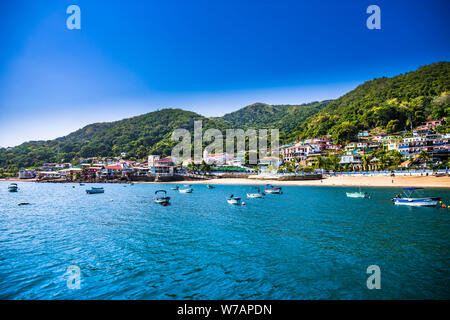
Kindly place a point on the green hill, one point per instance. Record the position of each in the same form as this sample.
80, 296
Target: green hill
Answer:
289, 119
388, 104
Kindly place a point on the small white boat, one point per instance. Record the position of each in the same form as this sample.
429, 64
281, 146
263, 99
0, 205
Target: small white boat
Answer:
13, 187
210, 186
257, 194
358, 194
174, 188
162, 199
94, 190
272, 190
407, 200
187, 190
234, 200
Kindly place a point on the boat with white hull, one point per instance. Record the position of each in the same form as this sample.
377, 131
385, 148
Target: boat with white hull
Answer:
257, 194
234, 200
161, 199
272, 190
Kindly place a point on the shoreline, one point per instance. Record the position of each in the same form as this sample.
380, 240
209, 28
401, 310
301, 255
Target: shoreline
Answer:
344, 181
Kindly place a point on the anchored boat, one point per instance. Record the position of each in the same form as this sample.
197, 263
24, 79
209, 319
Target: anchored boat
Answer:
358, 194
257, 194
186, 190
272, 190
174, 188
13, 187
94, 190
161, 199
234, 200
407, 200
210, 186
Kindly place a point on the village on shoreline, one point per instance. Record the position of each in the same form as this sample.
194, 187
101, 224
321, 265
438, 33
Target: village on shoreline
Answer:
416, 158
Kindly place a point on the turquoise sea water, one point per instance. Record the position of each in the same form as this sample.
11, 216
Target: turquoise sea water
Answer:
308, 243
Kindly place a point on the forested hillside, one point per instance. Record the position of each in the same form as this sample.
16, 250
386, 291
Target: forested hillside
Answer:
387, 104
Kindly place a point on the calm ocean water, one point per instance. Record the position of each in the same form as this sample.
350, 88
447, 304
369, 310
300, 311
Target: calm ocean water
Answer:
308, 243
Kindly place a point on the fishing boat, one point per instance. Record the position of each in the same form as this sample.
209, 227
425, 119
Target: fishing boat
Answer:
94, 190
257, 194
210, 186
13, 187
174, 188
161, 199
407, 200
186, 190
272, 190
358, 194
234, 200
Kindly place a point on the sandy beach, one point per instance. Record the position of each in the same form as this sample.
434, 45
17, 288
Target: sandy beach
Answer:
404, 181
399, 181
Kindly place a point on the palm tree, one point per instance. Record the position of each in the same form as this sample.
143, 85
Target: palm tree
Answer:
424, 157
320, 163
397, 157
366, 161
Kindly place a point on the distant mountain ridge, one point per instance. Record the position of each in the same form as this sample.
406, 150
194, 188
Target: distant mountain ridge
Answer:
387, 104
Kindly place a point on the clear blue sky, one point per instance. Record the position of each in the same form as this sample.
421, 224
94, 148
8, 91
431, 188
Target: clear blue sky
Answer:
208, 56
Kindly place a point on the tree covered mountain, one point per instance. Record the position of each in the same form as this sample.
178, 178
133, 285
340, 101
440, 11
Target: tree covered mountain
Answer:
287, 118
386, 104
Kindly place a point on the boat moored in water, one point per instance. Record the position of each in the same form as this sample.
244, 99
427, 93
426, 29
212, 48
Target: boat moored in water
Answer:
94, 190
234, 200
257, 194
161, 199
186, 190
272, 190
407, 200
210, 186
174, 188
358, 194
13, 187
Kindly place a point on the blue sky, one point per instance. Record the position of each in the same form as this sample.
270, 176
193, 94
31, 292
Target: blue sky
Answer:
211, 57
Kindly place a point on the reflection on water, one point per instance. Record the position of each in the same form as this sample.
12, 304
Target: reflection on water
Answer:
308, 243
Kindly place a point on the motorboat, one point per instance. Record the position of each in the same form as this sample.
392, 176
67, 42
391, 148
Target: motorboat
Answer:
13, 187
161, 197
272, 190
407, 200
186, 190
358, 194
234, 200
174, 188
94, 190
257, 194
210, 186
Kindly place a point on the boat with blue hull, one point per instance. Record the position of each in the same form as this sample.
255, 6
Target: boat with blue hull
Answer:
94, 190
407, 200
13, 187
